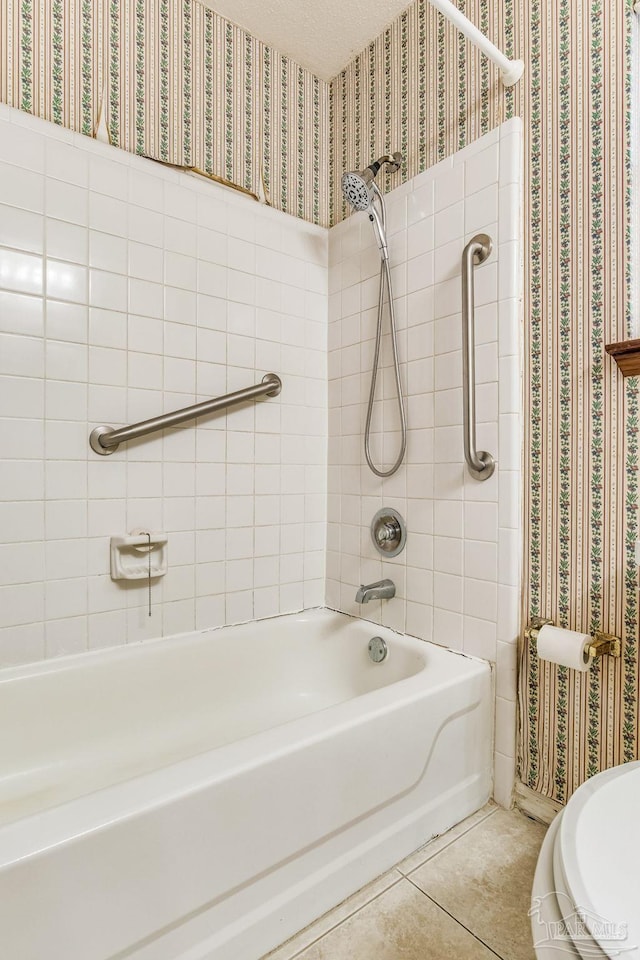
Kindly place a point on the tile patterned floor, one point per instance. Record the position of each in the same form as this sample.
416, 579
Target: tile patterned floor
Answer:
465, 895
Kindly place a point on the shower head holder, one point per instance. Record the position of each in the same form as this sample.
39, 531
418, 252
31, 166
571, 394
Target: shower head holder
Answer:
357, 185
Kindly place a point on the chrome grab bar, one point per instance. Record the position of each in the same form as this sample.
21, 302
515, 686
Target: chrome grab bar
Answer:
480, 463
105, 440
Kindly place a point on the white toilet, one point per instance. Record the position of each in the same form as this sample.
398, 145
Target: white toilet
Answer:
586, 890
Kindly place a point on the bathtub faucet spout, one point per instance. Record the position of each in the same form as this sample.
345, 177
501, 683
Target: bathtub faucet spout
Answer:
382, 590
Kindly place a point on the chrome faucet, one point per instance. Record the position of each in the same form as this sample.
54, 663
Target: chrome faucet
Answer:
382, 590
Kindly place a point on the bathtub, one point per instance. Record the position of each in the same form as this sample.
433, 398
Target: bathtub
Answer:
204, 797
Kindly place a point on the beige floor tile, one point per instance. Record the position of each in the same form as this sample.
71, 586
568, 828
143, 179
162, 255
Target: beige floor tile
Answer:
439, 843
334, 917
400, 924
484, 881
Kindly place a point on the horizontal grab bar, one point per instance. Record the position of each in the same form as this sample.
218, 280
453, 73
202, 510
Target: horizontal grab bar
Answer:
105, 440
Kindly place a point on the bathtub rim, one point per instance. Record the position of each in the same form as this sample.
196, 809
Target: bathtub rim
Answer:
119, 651
34, 834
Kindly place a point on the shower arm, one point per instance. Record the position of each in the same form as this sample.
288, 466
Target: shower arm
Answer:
512, 70
393, 161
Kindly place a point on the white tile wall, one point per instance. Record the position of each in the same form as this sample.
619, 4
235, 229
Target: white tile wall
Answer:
458, 581
126, 290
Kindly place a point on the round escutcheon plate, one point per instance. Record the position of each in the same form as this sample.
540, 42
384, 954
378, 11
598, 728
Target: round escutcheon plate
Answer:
388, 532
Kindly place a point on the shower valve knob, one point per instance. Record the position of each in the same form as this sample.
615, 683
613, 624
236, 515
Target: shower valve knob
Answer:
388, 532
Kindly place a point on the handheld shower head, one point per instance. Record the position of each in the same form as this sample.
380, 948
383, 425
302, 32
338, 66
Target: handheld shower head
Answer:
357, 187
360, 188
361, 192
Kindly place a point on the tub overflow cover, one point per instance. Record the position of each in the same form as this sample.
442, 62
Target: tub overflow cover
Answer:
378, 649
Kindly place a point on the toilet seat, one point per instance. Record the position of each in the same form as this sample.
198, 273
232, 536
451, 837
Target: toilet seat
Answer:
588, 873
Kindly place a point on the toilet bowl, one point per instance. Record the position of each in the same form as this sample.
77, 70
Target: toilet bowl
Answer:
585, 901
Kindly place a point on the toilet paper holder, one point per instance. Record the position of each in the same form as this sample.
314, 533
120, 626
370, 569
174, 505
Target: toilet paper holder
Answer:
602, 644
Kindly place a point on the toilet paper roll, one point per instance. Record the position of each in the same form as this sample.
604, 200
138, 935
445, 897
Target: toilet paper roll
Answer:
566, 647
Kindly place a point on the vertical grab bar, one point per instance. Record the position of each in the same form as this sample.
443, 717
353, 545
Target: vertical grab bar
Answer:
480, 463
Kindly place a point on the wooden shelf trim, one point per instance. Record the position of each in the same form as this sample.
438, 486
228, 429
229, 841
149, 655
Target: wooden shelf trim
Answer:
627, 355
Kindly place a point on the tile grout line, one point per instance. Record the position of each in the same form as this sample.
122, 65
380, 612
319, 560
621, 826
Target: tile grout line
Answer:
402, 876
455, 919
453, 840
344, 919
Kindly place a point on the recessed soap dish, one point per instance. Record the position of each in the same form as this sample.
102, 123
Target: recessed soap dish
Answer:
140, 555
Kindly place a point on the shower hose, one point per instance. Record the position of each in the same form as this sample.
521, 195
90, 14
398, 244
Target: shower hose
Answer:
385, 281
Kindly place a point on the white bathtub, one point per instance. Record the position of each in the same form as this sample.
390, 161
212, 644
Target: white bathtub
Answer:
206, 796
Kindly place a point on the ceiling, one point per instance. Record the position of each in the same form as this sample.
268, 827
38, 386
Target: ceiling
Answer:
321, 35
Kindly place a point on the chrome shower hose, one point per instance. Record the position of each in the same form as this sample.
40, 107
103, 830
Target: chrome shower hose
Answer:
385, 279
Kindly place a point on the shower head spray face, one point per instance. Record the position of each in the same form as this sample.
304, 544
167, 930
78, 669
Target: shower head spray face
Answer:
357, 189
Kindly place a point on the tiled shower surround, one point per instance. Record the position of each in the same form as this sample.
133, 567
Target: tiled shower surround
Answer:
458, 581
127, 290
